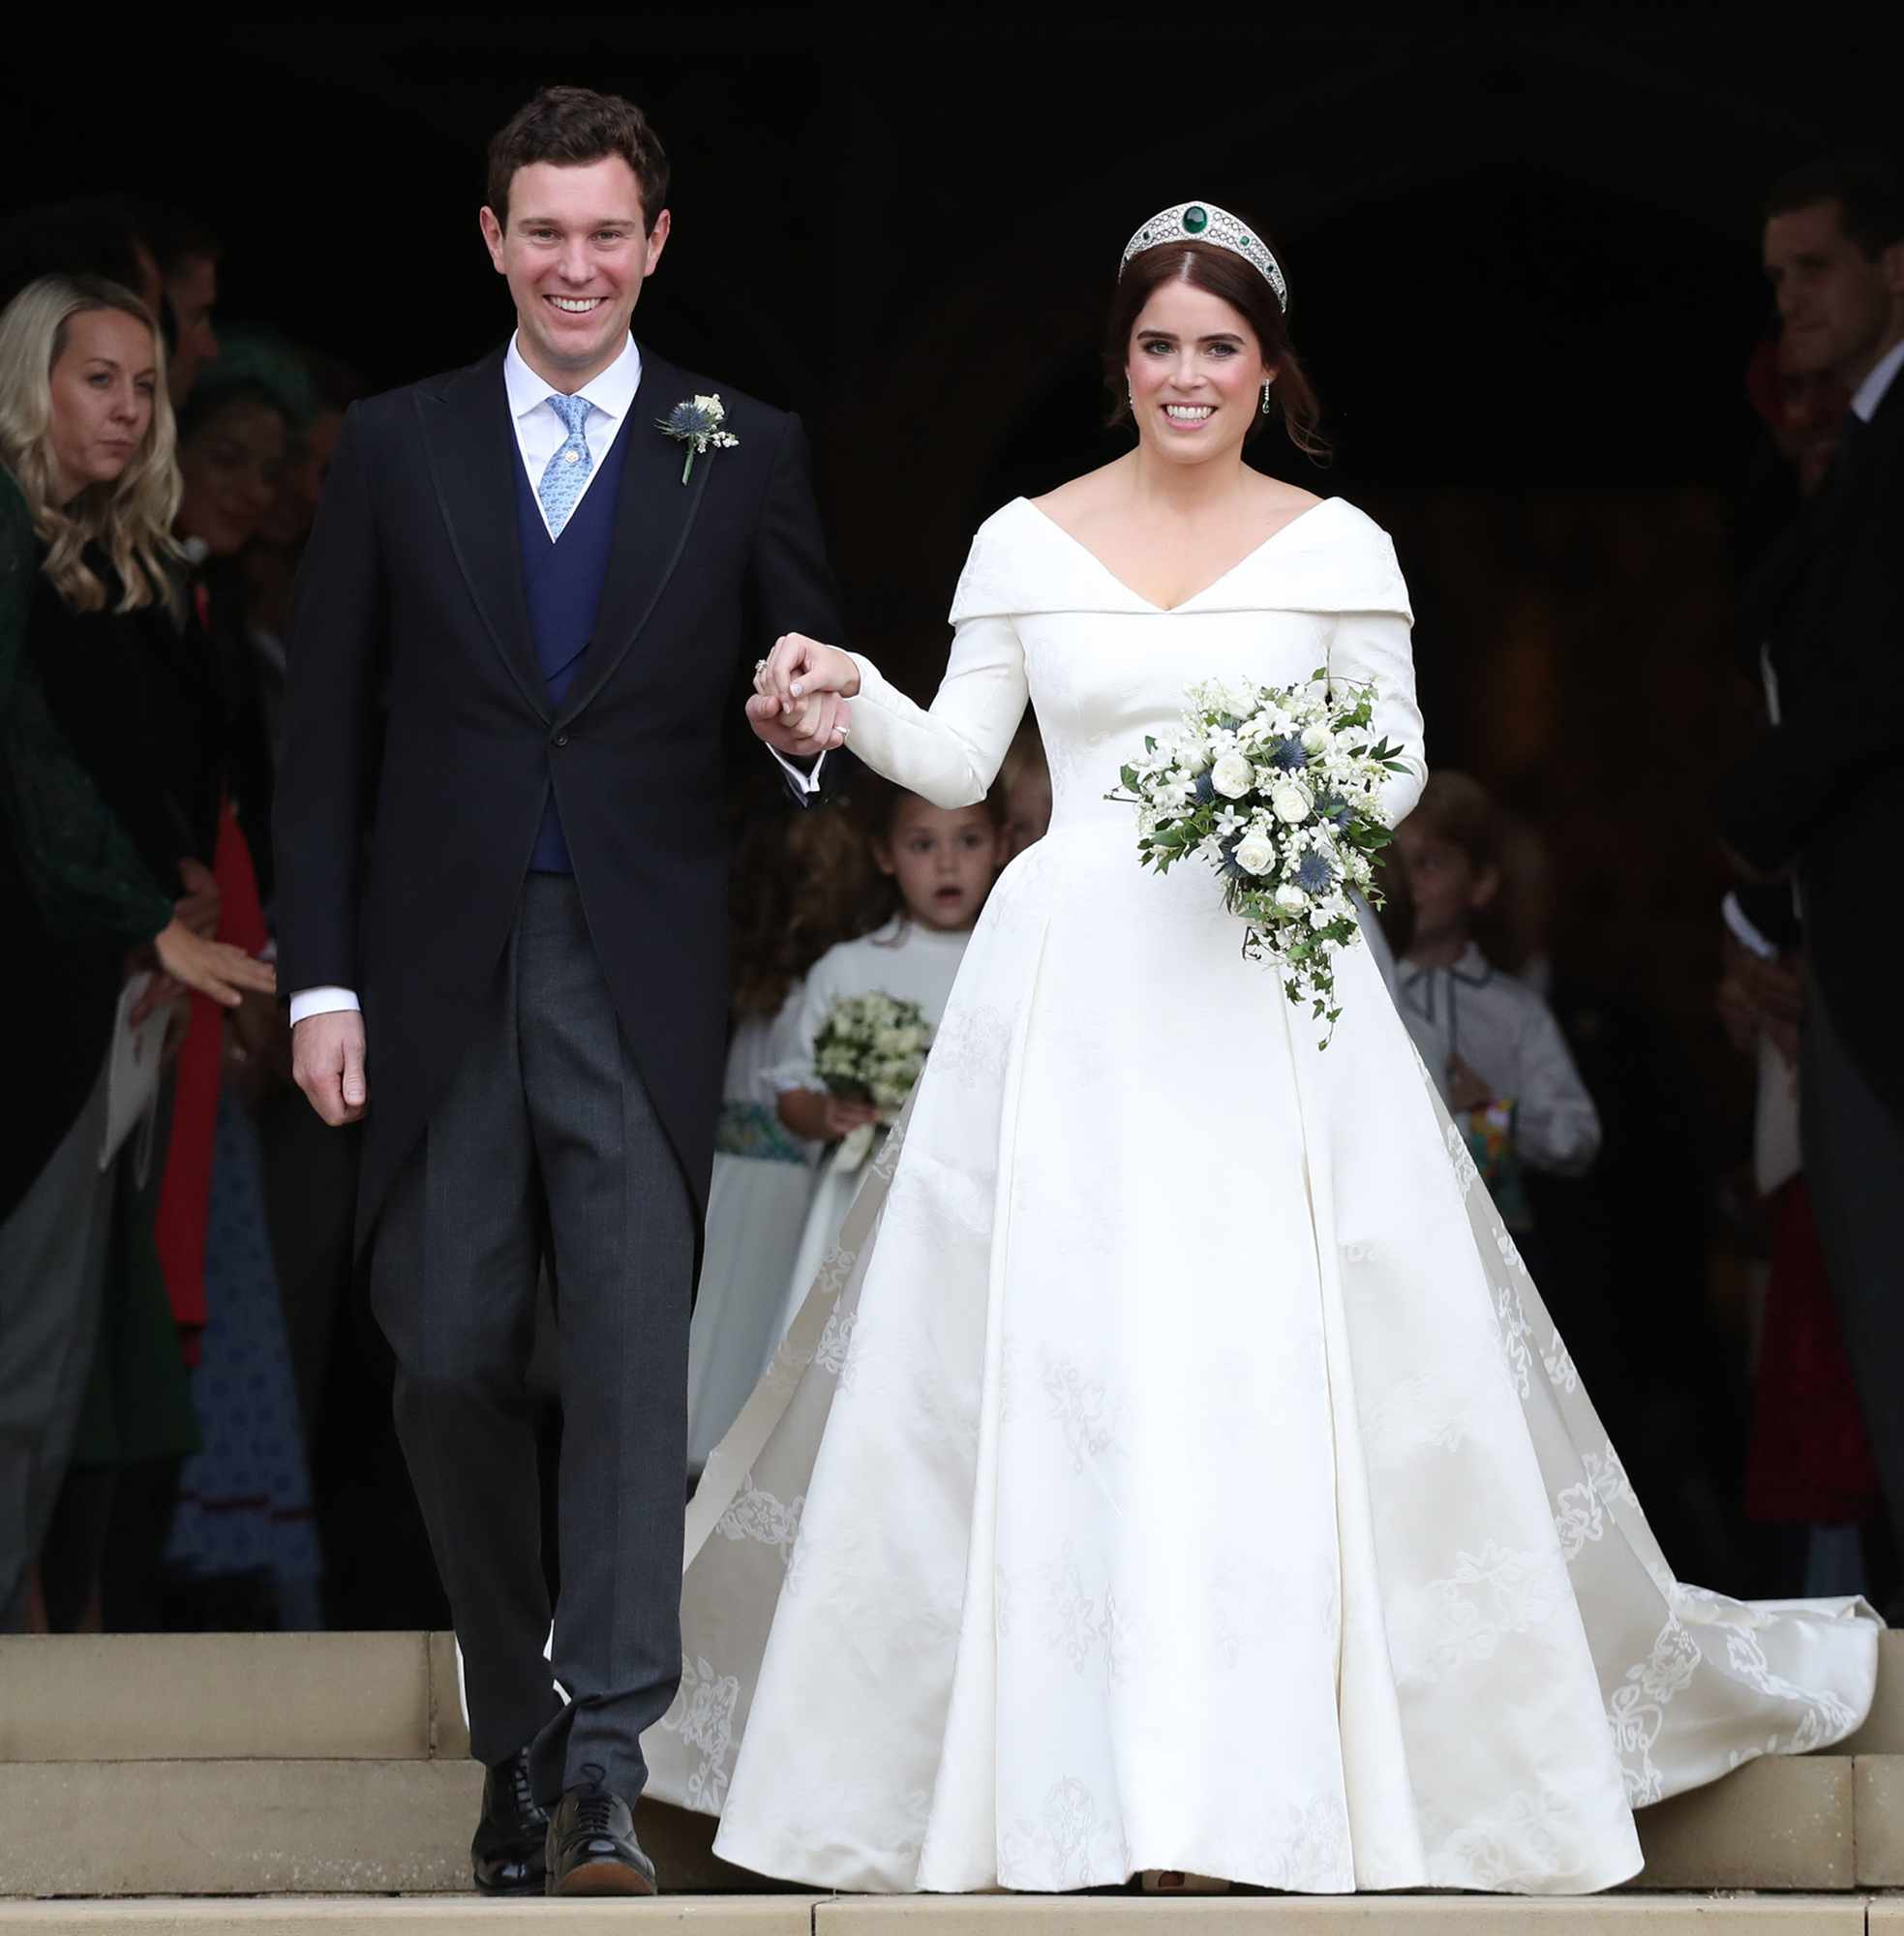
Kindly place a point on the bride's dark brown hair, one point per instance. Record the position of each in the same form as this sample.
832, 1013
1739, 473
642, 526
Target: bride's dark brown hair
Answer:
1218, 272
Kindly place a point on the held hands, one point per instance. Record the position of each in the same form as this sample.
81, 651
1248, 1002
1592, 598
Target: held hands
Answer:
800, 691
328, 1063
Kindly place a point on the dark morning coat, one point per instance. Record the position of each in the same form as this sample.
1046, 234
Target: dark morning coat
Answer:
1825, 788
420, 742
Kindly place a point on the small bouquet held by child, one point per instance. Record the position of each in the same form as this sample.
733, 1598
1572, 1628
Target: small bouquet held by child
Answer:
871, 1049
1279, 789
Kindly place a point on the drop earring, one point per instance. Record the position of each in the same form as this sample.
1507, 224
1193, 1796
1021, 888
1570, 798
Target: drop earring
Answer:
1266, 390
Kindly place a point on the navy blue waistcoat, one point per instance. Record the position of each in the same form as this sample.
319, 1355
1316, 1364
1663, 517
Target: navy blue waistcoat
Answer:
563, 583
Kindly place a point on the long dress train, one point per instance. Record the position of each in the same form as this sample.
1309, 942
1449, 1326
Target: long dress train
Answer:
1174, 1465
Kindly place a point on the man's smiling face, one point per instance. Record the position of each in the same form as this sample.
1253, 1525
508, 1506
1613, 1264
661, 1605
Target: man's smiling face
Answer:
576, 249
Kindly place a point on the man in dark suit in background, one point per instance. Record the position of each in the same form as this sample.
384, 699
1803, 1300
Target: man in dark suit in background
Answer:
1822, 797
558, 607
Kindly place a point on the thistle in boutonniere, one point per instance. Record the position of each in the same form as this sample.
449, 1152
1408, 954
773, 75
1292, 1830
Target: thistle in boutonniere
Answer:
697, 423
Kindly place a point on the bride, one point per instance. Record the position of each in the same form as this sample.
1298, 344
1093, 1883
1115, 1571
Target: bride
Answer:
1173, 1466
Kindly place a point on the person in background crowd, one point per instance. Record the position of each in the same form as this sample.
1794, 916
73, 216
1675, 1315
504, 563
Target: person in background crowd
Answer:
243, 1549
1822, 789
102, 867
1488, 1040
803, 883
188, 255
1025, 782
269, 562
1810, 1469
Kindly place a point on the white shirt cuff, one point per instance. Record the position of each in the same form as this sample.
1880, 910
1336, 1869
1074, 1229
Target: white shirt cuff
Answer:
1745, 931
807, 782
308, 1002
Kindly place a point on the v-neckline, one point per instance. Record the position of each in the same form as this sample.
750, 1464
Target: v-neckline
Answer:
1222, 577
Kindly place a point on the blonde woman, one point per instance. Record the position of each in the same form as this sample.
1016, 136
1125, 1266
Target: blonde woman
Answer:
100, 863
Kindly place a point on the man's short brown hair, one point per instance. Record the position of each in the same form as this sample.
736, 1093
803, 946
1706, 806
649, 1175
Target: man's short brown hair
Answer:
572, 127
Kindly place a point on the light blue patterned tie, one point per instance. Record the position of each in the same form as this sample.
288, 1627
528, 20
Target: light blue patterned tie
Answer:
568, 469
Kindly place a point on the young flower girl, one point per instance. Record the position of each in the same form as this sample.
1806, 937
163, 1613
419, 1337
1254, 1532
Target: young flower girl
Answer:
801, 883
940, 863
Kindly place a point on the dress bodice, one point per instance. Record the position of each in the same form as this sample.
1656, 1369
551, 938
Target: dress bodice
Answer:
1039, 617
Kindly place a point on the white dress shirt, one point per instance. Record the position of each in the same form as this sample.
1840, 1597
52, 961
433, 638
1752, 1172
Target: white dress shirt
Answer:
539, 434
1871, 392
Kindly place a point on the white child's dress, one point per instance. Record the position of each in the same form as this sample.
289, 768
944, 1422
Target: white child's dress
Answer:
763, 1181
906, 960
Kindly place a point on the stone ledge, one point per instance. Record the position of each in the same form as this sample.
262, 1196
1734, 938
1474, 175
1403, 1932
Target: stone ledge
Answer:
1883, 1732
1777, 1824
266, 1827
181, 1697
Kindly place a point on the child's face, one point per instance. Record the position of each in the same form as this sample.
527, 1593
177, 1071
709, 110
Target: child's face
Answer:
943, 859
1447, 887
1027, 813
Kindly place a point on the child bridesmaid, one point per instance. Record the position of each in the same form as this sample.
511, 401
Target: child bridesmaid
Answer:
801, 882
939, 864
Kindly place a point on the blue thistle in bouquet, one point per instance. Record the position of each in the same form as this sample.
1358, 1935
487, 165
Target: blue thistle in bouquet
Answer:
1279, 790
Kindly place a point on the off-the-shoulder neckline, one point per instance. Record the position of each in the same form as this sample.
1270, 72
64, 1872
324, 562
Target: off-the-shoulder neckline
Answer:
1222, 578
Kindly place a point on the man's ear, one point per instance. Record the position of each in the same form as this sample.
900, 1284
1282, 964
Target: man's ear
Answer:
491, 237
657, 240
1487, 885
1892, 262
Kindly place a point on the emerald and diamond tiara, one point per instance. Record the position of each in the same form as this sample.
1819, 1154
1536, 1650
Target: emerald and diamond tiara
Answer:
1205, 222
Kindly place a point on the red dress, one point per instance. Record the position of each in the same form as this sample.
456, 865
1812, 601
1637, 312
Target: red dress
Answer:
185, 1196
1810, 1459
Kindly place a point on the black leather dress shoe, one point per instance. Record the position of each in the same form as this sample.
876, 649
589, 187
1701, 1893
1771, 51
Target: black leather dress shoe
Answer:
592, 1849
511, 1843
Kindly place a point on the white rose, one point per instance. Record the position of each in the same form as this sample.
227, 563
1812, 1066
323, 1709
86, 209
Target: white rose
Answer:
1232, 775
1288, 802
1316, 738
1255, 852
1291, 899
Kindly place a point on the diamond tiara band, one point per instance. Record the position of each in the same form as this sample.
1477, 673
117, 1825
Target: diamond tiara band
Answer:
1205, 222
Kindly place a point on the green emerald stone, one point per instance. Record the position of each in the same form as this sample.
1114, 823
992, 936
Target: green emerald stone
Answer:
1195, 221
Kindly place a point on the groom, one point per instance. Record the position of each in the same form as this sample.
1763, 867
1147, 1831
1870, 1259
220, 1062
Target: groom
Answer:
521, 635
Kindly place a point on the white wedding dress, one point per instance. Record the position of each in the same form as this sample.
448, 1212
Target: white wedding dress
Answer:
1174, 1465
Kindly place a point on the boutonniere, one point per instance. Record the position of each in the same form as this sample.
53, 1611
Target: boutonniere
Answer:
697, 423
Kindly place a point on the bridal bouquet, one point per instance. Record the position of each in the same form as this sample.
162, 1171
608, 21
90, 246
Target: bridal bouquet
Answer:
871, 1049
1277, 789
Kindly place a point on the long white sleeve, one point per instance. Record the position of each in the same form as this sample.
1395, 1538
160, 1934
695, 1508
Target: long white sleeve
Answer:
1374, 647
952, 753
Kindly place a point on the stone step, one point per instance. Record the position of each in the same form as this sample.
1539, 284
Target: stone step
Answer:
187, 1697
981, 1916
261, 1827
256, 1828
363, 1696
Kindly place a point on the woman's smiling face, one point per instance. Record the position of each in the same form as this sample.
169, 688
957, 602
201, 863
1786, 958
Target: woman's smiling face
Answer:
1196, 374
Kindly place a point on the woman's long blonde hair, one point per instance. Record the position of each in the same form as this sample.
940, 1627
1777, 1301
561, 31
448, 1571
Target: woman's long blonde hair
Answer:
130, 520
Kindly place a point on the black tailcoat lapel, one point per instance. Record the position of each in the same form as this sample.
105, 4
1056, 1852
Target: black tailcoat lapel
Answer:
473, 454
653, 521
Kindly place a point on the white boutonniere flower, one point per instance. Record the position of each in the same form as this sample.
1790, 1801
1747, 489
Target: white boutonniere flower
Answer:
696, 421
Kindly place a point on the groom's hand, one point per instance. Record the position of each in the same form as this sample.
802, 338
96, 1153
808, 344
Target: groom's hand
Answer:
328, 1063
818, 727
800, 691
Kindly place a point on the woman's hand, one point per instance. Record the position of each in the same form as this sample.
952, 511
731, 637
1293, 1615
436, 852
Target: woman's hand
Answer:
800, 691
820, 1117
213, 968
